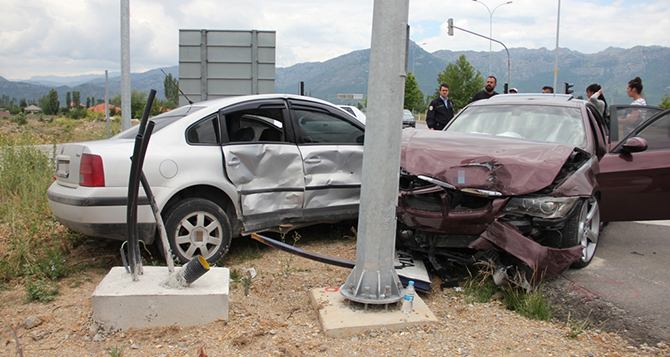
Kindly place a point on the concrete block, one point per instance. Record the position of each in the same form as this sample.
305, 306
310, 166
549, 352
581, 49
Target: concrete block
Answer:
119, 302
341, 318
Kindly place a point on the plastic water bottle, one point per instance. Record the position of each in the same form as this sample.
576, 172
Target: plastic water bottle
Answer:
408, 301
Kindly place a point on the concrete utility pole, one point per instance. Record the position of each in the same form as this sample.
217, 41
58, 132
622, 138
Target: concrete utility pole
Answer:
374, 279
126, 111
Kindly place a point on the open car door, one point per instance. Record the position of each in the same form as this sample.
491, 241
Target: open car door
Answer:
635, 175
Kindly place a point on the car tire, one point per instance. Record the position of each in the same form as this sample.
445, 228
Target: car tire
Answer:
197, 226
584, 229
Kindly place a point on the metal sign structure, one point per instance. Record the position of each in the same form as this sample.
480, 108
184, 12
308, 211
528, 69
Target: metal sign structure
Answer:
224, 63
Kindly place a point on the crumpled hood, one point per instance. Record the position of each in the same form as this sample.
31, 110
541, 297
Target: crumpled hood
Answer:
506, 165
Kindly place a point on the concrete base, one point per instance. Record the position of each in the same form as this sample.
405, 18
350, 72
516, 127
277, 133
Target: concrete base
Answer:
121, 303
341, 318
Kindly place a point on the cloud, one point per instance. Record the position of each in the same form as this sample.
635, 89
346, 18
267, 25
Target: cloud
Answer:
42, 37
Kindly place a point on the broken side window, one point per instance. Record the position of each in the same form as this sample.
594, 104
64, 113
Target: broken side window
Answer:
254, 125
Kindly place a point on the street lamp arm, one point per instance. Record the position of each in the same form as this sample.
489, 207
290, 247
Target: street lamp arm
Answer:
494, 40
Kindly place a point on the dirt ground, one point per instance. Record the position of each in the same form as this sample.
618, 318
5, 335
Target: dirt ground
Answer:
276, 319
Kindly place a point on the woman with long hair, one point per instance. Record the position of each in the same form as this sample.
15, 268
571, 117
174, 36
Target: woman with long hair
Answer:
595, 94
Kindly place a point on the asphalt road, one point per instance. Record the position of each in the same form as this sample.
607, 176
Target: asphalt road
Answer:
627, 285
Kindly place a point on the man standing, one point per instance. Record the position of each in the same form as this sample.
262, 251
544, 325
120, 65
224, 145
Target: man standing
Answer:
488, 92
440, 110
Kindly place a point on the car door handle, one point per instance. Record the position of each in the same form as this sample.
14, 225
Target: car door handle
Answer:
314, 160
235, 161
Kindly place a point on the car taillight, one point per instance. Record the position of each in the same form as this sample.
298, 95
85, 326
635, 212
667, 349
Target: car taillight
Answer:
91, 172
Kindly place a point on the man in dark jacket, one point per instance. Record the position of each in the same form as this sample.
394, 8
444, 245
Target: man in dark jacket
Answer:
488, 91
440, 110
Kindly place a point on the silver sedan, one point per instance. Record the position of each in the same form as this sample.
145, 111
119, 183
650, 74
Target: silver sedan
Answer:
218, 169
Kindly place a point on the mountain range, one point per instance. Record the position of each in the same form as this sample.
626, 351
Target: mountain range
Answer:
530, 70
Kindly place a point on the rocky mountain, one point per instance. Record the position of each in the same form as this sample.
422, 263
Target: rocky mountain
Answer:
95, 87
530, 70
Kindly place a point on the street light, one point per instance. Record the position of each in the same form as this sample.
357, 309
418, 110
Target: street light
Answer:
413, 59
491, 25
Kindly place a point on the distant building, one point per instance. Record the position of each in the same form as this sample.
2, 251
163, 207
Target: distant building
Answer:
100, 108
4, 113
32, 109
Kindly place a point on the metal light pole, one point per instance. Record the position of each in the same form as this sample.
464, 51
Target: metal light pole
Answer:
491, 25
558, 26
413, 60
126, 112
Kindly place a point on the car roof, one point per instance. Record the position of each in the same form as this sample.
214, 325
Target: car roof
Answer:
221, 102
528, 98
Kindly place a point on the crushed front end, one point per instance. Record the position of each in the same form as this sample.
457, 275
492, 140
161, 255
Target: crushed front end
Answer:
464, 211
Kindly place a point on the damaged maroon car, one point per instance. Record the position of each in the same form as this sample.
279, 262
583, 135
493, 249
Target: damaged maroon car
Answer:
514, 180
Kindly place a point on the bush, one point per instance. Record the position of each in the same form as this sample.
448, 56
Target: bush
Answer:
20, 119
40, 290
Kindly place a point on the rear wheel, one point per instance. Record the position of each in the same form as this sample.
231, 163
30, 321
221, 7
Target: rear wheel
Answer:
198, 226
584, 229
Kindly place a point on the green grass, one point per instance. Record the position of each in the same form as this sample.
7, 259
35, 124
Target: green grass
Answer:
480, 287
33, 243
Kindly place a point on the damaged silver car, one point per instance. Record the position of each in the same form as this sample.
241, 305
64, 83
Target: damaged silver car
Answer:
511, 180
218, 169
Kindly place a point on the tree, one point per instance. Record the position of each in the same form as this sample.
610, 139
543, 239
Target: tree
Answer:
88, 102
68, 99
171, 87
413, 95
665, 101
23, 104
50, 103
76, 99
463, 80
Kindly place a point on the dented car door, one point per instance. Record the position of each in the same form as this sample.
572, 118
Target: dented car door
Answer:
264, 164
331, 146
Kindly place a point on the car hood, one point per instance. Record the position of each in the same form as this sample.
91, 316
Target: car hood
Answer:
472, 161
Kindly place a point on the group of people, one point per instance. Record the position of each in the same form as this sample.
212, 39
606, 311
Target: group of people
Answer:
441, 109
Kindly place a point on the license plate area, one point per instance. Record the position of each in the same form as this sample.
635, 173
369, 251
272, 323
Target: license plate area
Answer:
62, 167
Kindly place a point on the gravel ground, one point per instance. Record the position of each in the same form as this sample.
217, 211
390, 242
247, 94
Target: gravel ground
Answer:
276, 319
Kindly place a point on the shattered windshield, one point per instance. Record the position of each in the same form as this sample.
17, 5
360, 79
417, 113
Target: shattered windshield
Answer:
554, 124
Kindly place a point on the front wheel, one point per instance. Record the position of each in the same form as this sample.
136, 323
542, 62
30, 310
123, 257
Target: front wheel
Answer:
198, 226
584, 229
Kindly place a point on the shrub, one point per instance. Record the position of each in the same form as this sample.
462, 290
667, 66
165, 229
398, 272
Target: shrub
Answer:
40, 290
20, 119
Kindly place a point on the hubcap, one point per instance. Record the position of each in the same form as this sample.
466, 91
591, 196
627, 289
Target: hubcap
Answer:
199, 233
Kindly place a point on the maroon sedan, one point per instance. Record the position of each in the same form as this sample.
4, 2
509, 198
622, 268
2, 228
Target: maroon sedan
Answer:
525, 181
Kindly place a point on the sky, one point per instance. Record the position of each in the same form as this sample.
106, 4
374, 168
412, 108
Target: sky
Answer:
74, 37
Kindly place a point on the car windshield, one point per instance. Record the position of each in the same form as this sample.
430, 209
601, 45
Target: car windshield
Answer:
563, 125
161, 121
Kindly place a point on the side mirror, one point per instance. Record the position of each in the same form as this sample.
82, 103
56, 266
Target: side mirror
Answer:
634, 144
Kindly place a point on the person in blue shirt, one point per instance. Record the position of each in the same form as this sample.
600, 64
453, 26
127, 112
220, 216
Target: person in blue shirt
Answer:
440, 110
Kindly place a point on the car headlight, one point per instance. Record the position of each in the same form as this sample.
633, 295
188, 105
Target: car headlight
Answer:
545, 207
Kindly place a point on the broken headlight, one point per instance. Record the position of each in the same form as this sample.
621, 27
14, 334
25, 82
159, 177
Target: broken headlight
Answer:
544, 207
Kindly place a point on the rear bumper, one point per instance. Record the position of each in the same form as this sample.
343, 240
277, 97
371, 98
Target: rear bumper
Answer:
99, 213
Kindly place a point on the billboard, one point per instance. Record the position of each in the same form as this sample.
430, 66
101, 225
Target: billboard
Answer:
223, 63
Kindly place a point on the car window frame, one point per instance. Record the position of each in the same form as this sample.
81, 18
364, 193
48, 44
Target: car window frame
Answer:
648, 122
614, 119
256, 104
296, 104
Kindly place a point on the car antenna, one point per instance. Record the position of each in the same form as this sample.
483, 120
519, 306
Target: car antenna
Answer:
180, 91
